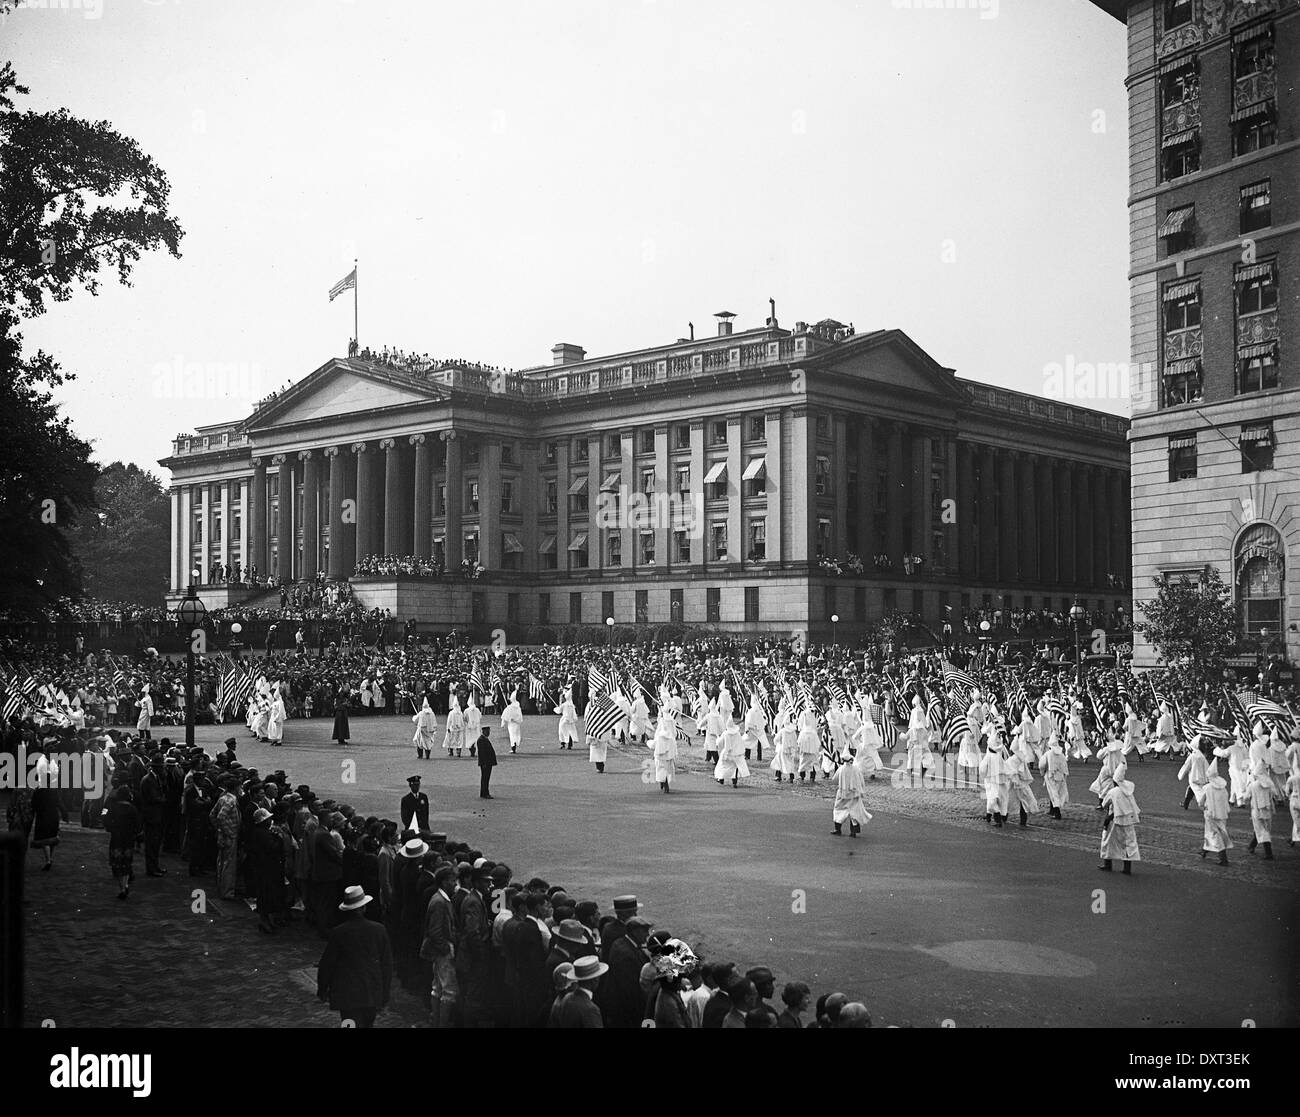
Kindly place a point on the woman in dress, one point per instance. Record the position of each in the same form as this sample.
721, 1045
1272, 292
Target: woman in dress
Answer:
123, 825
341, 729
47, 812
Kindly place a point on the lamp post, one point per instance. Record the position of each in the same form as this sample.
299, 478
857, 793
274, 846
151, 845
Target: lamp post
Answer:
1077, 613
235, 645
609, 626
191, 612
985, 628
835, 628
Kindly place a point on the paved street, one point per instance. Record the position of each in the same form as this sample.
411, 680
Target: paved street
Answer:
929, 916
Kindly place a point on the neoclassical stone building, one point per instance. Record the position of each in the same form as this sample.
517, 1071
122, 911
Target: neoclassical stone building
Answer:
727, 480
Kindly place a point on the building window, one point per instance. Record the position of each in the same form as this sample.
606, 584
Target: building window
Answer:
751, 603
889, 600
441, 499
718, 540
575, 608
682, 546
648, 441
647, 481
713, 605
512, 608
552, 451
614, 549
823, 426
578, 551
1182, 457
757, 540
1260, 569
757, 428
1256, 288
612, 446
718, 432
682, 436
642, 606
606, 605
471, 453
471, 546
507, 496
552, 497
1255, 132
543, 608
507, 453
1183, 306
478, 608
1176, 229
676, 605
823, 476
1257, 368
547, 549
1180, 154
683, 474
823, 537
1256, 447
580, 450
755, 477
647, 548
578, 498
511, 549
1256, 206
473, 497
1177, 13
859, 603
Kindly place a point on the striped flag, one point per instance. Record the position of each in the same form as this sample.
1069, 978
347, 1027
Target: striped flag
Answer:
1121, 688
958, 681
476, 680
1271, 714
348, 282
954, 729
837, 692
934, 713
601, 716
536, 691
597, 683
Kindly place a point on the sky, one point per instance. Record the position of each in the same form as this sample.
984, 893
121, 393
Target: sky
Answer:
515, 173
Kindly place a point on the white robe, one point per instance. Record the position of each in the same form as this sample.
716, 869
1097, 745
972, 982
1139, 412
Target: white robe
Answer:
665, 752
512, 721
1056, 771
426, 728
570, 727
455, 736
731, 756
275, 719
850, 796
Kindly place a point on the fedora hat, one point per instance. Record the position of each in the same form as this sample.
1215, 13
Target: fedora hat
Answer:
354, 896
415, 849
260, 815
570, 930
589, 967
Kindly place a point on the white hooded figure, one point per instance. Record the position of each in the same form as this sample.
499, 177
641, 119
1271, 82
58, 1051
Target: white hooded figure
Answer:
597, 750
1078, 735
1164, 730
1030, 737
454, 739
1214, 809
1197, 773
639, 724
1238, 758
867, 740
810, 744
850, 798
145, 719
1293, 801
714, 725
262, 716
625, 708
665, 752
276, 717
1134, 732
473, 719
756, 725
725, 704
1111, 755
1021, 794
570, 728
1119, 838
996, 778
1278, 764
731, 756
426, 730
512, 721
1056, 773
785, 757
919, 755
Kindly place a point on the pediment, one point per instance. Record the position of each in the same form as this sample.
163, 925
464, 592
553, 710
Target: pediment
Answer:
892, 358
340, 389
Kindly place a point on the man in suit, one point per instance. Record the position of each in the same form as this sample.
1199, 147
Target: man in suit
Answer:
326, 872
415, 805
487, 760
439, 950
620, 998
578, 1009
473, 954
153, 801
625, 907
355, 973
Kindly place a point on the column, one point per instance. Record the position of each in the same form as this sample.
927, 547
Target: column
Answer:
699, 528
453, 528
967, 558
489, 503
1101, 527
1009, 566
310, 513
255, 517
226, 506
951, 531
563, 479
628, 483
735, 492
919, 544
897, 491
988, 553
243, 526
662, 503
1083, 524
423, 496
531, 495
392, 495
187, 528
338, 567
774, 487
803, 497
1065, 503
176, 566
1049, 570
1027, 467
205, 542
595, 478
866, 488
283, 518
1119, 514
365, 458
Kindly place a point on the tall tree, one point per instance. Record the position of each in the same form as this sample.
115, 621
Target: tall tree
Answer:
123, 547
75, 197
1191, 622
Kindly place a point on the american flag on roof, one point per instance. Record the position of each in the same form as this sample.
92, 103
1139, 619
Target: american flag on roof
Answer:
348, 282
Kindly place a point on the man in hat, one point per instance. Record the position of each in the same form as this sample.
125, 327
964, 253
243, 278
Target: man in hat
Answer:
153, 801
569, 942
355, 974
415, 805
226, 822
439, 950
228, 757
487, 760
620, 999
474, 951
625, 907
579, 1009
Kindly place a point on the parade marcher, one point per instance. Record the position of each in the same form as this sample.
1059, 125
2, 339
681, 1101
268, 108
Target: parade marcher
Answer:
1078, 736
1119, 830
145, 718
426, 726
1293, 800
570, 727
996, 778
665, 753
866, 739
1165, 738
473, 723
1134, 733
1214, 806
454, 738
598, 749
512, 721
715, 724
731, 757
1056, 771
919, 756
785, 757
415, 806
1260, 788
1196, 770
639, 725
968, 749
756, 726
850, 798
1112, 756
810, 744
1022, 789
276, 717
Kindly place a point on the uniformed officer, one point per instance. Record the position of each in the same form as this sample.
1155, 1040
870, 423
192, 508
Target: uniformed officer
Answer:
415, 804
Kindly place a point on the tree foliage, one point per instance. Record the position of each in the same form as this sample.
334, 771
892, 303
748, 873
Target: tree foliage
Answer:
1191, 622
124, 547
75, 197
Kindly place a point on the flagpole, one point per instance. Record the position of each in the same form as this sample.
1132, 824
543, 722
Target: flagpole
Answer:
356, 333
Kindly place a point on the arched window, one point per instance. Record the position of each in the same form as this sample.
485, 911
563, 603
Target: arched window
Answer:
1260, 566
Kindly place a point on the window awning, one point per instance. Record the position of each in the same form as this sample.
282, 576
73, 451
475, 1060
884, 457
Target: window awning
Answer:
1255, 189
1186, 367
1181, 139
579, 486
756, 469
716, 473
1175, 221
1182, 442
611, 483
1250, 112
1257, 434
578, 542
1186, 62
1259, 31
547, 545
648, 534
1182, 290
510, 543
1254, 271
1263, 349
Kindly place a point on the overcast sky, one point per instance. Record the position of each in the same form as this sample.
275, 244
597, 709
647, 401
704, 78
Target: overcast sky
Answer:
513, 174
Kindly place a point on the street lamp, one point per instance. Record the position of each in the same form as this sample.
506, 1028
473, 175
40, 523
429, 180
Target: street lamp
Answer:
835, 628
235, 645
191, 612
1077, 613
985, 629
609, 625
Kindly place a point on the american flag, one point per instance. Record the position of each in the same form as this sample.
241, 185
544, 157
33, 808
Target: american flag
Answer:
601, 716
348, 282
536, 691
934, 713
837, 692
954, 729
14, 702
598, 683
1121, 688
960, 682
1238, 713
1270, 713
476, 680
